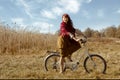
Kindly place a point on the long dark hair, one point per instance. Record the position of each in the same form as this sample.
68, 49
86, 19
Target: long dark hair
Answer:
70, 23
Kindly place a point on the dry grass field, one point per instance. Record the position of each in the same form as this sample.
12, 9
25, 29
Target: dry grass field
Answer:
22, 56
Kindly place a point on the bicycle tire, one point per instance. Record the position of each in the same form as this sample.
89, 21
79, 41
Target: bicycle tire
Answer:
95, 58
50, 60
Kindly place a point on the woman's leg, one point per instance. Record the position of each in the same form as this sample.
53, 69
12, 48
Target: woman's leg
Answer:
69, 58
62, 64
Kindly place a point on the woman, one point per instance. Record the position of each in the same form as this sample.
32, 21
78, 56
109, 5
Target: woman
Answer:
67, 42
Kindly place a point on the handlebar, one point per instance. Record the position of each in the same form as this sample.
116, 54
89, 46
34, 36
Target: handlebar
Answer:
83, 40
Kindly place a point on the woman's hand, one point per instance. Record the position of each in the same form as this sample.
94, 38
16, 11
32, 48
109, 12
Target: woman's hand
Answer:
77, 40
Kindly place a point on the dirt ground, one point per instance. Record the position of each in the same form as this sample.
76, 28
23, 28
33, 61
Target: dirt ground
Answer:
31, 66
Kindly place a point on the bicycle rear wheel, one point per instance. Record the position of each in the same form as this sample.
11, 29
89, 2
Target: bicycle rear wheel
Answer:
95, 63
52, 62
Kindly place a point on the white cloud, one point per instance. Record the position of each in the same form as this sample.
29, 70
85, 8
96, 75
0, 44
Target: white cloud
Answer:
42, 27
48, 14
50, 10
57, 10
72, 6
62, 6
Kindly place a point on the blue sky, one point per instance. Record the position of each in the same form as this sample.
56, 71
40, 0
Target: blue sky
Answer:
45, 15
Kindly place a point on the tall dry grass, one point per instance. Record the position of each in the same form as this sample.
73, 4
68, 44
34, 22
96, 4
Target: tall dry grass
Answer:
17, 42
24, 66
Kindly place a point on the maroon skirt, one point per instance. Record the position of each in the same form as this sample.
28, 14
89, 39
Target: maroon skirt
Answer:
67, 46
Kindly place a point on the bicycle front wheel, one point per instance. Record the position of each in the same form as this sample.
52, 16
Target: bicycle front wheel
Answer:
95, 63
52, 62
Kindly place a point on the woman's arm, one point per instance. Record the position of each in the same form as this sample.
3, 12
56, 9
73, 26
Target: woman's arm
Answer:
73, 37
77, 32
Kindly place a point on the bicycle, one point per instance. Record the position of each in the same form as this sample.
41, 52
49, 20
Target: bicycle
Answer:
92, 63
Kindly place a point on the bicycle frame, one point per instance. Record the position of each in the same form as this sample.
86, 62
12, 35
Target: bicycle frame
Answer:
73, 65
86, 51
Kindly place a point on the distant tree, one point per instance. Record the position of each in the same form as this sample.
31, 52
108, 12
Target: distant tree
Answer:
102, 33
88, 32
110, 31
96, 34
118, 32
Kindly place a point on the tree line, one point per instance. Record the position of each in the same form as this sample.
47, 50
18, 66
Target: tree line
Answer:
111, 32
